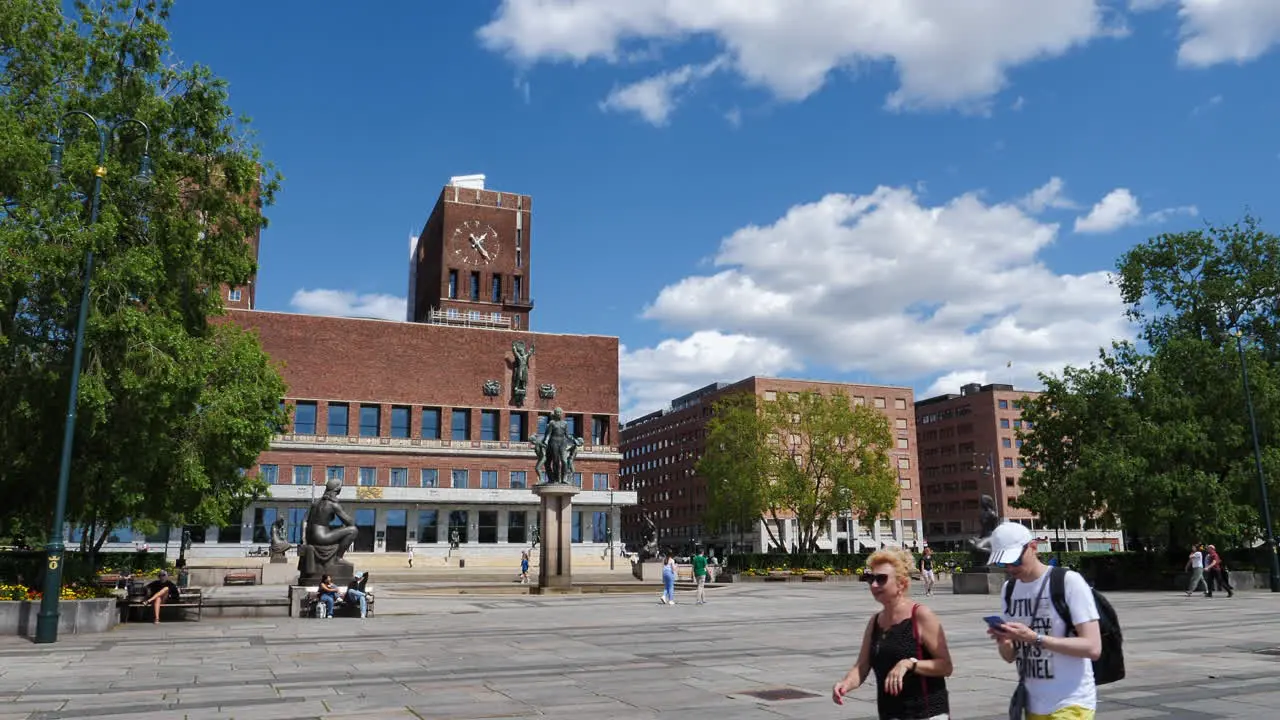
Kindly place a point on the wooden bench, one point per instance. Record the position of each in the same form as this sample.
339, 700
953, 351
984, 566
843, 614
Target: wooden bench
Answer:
188, 599
240, 578
307, 605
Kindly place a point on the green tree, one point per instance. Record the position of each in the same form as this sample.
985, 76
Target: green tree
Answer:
734, 459
809, 457
1077, 445
1157, 435
175, 403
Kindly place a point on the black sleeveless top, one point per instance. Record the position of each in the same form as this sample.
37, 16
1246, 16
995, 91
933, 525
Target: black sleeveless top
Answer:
917, 700
926, 562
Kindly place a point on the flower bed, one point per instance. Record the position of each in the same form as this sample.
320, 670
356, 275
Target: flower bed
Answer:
22, 593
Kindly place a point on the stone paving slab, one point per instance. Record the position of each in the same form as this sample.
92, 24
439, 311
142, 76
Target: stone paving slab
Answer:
613, 656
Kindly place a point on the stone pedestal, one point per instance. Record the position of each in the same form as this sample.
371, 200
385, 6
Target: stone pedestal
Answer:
555, 525
977, 582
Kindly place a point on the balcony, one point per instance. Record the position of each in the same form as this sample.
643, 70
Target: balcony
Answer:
469, 318
517, 302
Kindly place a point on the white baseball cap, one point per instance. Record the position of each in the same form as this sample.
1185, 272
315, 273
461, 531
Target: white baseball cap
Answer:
1007, 543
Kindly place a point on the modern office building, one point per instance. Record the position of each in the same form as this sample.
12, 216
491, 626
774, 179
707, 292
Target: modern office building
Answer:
421, 419
968, 446
660, 451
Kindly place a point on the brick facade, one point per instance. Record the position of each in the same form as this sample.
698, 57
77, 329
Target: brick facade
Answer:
411, 379
661, 450
969, 447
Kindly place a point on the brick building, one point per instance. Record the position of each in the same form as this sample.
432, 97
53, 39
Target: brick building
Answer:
419, 418
968, 447
660, 451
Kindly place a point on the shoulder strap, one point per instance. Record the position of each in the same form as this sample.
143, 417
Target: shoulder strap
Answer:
1058, 594
915, 632
1008, 597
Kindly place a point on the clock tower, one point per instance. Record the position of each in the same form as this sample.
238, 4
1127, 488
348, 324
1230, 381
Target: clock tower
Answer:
470, 264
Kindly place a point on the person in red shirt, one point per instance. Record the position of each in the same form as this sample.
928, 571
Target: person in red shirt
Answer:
1216, 573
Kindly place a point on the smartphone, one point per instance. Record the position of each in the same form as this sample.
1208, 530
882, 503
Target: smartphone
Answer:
994, 621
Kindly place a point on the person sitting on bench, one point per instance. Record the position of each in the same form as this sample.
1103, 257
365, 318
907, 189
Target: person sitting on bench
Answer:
159, 591
356, 594
328, 594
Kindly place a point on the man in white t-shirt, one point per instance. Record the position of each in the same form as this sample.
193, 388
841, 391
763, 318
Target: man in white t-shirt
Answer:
1195, 563
1057, 668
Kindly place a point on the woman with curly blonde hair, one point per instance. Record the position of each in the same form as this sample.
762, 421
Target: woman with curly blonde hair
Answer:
904, 644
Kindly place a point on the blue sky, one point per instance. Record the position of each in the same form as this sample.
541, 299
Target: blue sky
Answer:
911, 193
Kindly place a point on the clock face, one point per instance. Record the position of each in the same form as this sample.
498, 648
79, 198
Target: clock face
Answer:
475, 243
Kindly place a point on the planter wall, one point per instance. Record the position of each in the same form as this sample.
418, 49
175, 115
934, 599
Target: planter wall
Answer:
74, 616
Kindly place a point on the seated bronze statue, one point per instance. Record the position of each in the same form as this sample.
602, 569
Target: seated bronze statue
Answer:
279, 541
324, 544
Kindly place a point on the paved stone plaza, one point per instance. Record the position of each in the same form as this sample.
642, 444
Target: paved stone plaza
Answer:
611, 656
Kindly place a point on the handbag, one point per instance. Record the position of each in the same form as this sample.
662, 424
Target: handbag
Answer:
1018, 703
915, 632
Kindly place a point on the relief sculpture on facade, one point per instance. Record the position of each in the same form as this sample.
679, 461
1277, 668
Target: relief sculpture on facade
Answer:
520, 370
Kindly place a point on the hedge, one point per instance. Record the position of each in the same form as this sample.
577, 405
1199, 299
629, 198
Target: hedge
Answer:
27, 566
1105, 570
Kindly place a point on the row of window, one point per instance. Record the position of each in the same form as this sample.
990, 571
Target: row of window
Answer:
306, 413
424, 477
495, 287
433, 526
876, 402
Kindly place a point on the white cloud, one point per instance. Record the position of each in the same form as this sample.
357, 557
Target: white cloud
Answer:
945, 54
652, 377
1114, 211
1160, 216
1050, 195
1119, 208
892, 289
654, 98
1218, 31
1206, 106
348, 304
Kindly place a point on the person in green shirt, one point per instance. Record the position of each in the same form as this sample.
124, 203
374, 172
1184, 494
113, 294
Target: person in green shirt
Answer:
700, 575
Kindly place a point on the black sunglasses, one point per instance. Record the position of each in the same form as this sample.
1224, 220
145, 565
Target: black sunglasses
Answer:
880, 579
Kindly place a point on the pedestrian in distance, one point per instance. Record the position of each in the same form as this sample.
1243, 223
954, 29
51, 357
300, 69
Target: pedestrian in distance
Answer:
669, 580
926, 571
903, 644
1195, 564
700, 576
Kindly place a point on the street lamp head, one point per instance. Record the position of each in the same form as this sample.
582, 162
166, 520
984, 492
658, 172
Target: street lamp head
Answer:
55, 158
145, 173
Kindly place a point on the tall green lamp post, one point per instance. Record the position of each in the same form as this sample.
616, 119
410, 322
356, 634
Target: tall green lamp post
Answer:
1257, 459
47, 619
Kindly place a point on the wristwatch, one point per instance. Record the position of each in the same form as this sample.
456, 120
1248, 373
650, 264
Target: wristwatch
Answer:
914, 663
1039, 640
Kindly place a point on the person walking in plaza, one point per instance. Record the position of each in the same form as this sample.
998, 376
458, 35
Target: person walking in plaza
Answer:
1195, 563
1215, 572
411, 556
903, 644
926, 571
524, 567
669, 580
1055, 670
700, 576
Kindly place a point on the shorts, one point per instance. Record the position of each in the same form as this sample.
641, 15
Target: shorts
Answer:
928, 576
1070, 712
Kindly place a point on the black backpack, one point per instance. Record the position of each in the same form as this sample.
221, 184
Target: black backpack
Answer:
1109, 667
